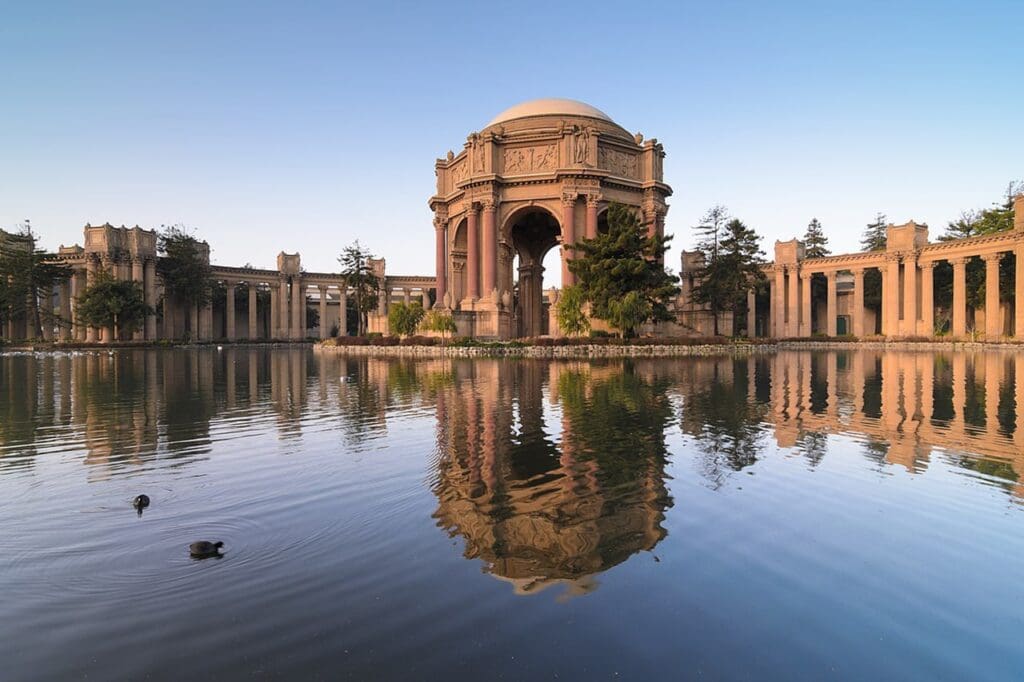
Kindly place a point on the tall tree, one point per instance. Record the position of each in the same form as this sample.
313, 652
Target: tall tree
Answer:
184, 266
710, 229
874, 238
621, 261
109, 302
815, 241
358, 275
728, 276
30, 274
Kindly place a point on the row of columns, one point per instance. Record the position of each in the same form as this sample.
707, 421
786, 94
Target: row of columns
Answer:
482, 244
908, 298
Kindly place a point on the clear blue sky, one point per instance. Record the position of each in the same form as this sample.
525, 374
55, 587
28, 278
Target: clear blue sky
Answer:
303, 126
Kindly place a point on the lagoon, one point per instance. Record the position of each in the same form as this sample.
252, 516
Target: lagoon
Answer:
844, 515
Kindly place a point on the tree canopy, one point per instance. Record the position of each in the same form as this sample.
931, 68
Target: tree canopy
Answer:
184, 266
727, 277
29, 275
109, 302
875, 238
403, 319
815, 241
572, 318
624, 260
358, 275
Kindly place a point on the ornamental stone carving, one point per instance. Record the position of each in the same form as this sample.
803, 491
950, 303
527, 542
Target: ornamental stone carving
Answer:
618, 162
530, 159
459, 172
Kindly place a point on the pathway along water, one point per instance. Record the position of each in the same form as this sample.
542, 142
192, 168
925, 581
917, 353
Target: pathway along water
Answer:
799, 515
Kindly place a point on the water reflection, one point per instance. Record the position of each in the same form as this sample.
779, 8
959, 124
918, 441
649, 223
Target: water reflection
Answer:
546, 472
551, 474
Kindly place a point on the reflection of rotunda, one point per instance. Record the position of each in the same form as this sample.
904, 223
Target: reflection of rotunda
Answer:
539, 175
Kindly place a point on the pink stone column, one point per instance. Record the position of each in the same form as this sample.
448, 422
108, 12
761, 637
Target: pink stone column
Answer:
1018, 286
857, 307
831, 309
440, 259
909, 295
592, 200
568, 237
927, 298
891, 297
751, 314
793, 305
323, 311
489, 251
993, 316
472, 256
778, 303
959, 296
298, 308
805, 305
253, 315
149, 287
229, 312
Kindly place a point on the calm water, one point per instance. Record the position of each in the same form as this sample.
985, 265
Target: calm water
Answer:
845, 516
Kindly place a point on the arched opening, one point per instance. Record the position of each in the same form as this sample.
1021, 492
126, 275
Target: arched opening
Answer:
533, 233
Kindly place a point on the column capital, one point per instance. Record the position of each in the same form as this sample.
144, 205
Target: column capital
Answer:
989, 257
831, 275
926, 264
569, 198
440, 224
593, 199
322, 288
857, 272
806, 274
958, 261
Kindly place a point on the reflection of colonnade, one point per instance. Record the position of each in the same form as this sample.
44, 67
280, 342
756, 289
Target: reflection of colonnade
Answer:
139, 405
906, 269
910, 402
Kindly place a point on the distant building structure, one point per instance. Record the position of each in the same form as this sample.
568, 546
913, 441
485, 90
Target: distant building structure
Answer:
540, 175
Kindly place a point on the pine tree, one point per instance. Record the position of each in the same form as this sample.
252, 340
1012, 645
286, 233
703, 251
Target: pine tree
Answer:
815, 241
728, 276
359, 277
710, 230
874, 234
624, 260
29, 274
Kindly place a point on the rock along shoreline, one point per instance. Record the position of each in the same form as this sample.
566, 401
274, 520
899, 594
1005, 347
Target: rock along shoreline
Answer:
651, 351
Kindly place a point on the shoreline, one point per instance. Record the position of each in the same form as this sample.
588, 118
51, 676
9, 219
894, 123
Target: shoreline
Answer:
581, 351
646, 351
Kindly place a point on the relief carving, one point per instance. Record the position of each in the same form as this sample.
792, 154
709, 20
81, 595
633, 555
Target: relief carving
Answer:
618, 162
530, 159
459, 172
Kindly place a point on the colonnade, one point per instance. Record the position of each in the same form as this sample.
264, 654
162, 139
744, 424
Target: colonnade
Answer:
907, 272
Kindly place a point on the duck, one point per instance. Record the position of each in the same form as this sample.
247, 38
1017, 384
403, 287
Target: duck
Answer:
204, 549
141, 502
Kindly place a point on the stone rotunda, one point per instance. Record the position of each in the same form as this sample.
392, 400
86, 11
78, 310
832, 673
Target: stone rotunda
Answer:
539, 175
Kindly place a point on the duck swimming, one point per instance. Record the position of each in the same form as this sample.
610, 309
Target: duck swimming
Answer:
204, 549
141, 502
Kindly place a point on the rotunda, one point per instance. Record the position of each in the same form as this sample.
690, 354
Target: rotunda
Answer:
540, 175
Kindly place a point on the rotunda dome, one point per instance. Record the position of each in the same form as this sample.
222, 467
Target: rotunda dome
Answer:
552, 106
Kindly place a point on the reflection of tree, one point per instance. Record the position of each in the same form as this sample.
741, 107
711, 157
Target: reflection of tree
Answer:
725, 422
18, 410
540, 512
814, 446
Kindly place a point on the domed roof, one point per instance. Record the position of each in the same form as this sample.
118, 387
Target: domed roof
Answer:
552, 106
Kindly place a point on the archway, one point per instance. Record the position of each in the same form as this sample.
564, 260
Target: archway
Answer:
533, 232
